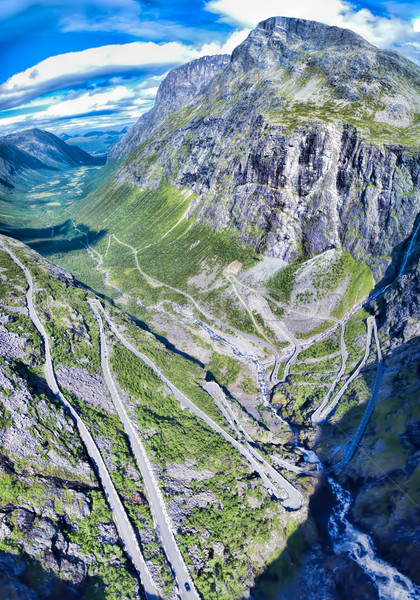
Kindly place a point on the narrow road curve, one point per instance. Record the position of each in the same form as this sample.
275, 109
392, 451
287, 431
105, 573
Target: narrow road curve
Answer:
350, 447
323, 412
124, 527
344, 357
289, 466
285, 306
218, 396
157, 504
292, 502
292, 338
251, 316
201, 310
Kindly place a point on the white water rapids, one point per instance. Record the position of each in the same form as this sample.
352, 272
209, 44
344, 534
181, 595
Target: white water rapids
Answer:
409, 250
389, 582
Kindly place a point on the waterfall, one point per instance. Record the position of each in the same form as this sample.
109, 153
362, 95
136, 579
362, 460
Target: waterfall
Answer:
390, 583
409, 250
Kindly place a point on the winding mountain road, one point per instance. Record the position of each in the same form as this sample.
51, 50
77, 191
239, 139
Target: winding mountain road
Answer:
124, 527
323, 412
344, 356
157, 504
210, 318
350, 447
293, 500
297, 347
262, 467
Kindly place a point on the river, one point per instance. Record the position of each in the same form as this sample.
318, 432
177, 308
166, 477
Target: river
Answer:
345, 538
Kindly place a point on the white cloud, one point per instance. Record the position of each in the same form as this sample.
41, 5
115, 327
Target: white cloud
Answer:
250, 13
236, 38
85, 109
416, 25
73, 68
381, 31
7, 121
89, 102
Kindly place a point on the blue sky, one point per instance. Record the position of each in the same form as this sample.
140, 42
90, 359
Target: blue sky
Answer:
86, 64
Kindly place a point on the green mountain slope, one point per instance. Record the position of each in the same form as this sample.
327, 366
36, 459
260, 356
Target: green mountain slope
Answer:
55, 518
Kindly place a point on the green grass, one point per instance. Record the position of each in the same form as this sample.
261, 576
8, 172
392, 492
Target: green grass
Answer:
326, 277
324, 348
224, 368
185, 375
330, 364
355, 338
112, 208
360, 283
304, 335
280, 286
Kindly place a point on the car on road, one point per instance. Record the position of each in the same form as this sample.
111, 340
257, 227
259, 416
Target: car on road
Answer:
187, 586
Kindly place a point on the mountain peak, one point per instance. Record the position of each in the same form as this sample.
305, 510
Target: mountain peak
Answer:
185, 82
178, 89
316, 33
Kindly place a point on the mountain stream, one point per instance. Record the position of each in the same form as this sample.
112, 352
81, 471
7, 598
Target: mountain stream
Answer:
389, 582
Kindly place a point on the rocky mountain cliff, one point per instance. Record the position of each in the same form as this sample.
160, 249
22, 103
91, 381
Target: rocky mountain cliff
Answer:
307, 139
176, 91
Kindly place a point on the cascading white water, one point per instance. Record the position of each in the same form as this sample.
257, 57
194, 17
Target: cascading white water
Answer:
409, 250
390, 583
260, 369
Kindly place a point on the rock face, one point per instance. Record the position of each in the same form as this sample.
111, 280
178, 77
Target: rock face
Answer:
177, 90
305, 140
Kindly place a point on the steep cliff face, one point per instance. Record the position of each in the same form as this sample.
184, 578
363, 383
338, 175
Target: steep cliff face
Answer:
178, 88
306, 140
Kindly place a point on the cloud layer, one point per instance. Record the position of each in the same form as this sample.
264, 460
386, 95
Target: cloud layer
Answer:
75, 68
118, 77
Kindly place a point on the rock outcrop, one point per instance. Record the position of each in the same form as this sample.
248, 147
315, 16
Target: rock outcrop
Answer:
177, 90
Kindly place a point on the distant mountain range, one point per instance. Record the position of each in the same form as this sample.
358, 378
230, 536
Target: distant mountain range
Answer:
94, 142
38, 150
